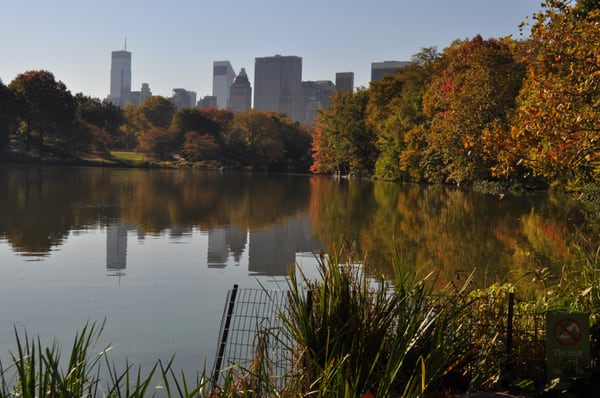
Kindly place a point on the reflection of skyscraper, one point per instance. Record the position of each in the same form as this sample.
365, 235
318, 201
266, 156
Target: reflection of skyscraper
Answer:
116, 248
225, 241
273, 250
236, 239
217, 248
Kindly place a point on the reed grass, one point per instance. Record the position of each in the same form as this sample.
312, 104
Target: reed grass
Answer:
349, 335
355, 335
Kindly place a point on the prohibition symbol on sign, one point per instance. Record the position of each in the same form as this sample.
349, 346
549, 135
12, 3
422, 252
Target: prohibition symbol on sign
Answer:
567, 332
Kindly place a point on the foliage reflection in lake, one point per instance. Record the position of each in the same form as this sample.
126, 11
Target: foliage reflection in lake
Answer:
504, 238
178, 239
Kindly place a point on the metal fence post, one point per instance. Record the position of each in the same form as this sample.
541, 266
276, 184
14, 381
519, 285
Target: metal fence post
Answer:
509, 324
223, 343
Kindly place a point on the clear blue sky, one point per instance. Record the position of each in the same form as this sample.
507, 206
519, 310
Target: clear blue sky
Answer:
174, 43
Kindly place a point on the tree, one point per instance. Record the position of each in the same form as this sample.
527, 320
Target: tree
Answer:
159, 142
343, 143
46, 107
394, 108
260, 139
557, 128
102, 119
197, 146
7, 117
207, 126
475, 89
157, 111
153, 117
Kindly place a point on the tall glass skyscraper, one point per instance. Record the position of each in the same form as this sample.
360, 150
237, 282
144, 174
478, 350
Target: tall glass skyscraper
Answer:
278, 85
120, 78
223, 75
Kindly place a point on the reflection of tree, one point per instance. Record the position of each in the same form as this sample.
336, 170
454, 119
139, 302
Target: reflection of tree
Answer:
452, 229
38, 207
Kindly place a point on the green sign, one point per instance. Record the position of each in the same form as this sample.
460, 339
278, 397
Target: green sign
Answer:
567, 344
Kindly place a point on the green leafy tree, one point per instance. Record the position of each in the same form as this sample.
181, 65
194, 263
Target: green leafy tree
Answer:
395, 108
343, 143
45, 107
557, 130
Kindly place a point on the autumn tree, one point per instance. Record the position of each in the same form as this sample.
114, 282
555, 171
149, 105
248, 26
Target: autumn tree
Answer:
157, 111
342, 142
46, 108
258, 139
474, 90
557, 130
150, 123
102, 119
203, 132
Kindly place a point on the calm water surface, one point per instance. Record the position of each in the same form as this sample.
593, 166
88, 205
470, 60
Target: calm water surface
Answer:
154, 251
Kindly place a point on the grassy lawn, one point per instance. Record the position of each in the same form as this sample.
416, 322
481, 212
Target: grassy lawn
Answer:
129, 156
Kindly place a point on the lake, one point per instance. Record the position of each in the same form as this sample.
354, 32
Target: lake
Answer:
154, 252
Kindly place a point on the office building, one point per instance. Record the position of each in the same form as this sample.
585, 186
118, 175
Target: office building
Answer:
183, 98
316, 96
208, 102
380, 69
278, 85
223, 75
344, 82
240, 95
120, 78
138, 97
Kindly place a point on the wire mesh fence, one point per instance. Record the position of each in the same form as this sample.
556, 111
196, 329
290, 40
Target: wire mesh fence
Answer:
252, 328
251, 323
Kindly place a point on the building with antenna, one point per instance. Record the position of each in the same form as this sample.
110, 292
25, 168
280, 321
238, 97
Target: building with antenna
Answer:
120, 77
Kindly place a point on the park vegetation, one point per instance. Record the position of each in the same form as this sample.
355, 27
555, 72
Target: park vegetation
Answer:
349, 334
516, 112
512, 111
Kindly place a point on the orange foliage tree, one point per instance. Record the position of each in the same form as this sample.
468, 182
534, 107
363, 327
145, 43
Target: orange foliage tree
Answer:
557, 131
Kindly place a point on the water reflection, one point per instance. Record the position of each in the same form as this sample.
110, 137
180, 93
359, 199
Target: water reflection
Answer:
269, 219
265, 216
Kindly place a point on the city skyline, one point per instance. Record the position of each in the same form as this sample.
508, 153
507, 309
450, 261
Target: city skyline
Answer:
176, 46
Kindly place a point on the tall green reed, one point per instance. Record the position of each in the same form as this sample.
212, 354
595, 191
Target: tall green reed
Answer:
355, 334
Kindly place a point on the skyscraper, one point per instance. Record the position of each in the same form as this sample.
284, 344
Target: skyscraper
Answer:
120, 78
183, 98
223, 75
380, 69
278, 85
240, 96
344, 82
